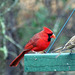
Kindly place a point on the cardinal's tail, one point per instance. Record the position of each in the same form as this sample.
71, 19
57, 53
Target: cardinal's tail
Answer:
16, 61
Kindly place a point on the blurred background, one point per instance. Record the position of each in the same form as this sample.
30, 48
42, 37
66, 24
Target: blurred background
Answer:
21, 19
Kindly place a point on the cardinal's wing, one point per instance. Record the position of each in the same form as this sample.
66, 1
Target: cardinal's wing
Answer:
32, 42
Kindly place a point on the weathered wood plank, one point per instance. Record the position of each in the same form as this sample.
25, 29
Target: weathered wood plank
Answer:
49, 62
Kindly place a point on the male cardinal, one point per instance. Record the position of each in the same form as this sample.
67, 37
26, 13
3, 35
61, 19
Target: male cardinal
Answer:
38, 42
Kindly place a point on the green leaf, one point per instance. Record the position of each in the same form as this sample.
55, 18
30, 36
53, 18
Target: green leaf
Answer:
3, 53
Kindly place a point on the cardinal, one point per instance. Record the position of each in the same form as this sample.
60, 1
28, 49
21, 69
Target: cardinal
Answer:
39, 42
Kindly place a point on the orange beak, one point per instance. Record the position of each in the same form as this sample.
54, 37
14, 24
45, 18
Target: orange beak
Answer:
53, 36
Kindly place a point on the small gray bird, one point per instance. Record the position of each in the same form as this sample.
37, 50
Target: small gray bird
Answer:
70, 45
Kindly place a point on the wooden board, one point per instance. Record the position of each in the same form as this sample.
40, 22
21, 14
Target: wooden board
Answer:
49, 62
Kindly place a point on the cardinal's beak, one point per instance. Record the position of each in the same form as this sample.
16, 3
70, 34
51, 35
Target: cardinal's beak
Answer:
53, 36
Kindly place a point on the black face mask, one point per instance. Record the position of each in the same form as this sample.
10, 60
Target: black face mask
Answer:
49, 39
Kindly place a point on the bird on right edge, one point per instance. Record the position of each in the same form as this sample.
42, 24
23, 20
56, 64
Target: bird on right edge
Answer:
70, 45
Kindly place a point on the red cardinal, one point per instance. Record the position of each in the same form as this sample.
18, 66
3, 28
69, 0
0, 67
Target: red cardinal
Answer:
38, 42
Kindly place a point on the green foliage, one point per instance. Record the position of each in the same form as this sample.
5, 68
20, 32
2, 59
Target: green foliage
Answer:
53, 17
64, 1
3, 53
3, 50
40, 17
